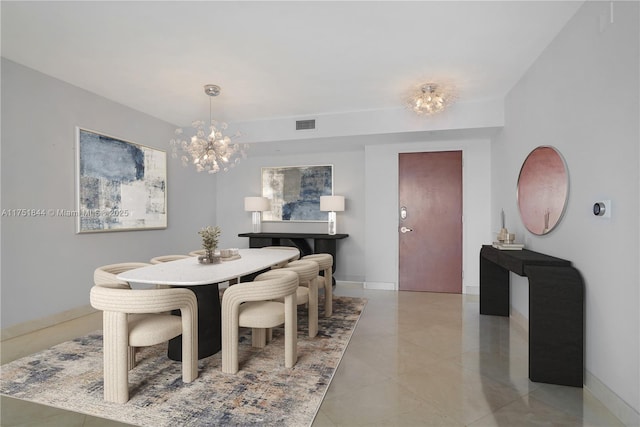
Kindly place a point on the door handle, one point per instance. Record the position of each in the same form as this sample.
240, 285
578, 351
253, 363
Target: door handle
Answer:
404, 229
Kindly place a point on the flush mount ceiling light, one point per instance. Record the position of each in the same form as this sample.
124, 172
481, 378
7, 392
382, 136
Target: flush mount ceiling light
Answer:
208, 149
431, 98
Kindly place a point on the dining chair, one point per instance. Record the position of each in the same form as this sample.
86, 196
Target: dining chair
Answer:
325, 264
307, 292
251, 305
167, 258
106, 274
137, 318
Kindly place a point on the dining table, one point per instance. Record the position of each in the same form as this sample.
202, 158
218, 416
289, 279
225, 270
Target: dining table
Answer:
203, 280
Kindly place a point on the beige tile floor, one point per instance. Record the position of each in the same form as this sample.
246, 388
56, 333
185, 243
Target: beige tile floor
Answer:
415, 359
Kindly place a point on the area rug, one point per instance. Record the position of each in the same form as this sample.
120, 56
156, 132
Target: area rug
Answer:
263, 392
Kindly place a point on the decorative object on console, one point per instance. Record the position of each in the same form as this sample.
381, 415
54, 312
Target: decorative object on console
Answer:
505, 240
210, 236
332, 204
120, 185
212, 152
543, 188
257, 205
431, 98
295, 191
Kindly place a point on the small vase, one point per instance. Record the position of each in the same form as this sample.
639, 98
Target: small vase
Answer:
209, 257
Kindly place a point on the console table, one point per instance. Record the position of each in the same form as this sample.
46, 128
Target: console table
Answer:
322, 243
556, 310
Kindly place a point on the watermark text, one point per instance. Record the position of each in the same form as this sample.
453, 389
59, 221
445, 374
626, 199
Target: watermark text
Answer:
64, 213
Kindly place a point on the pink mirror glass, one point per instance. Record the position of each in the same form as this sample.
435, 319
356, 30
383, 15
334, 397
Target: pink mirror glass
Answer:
543, 189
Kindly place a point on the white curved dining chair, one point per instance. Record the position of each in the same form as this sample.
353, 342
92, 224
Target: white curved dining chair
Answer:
307, 292
325, 264
167, 258
137, 318
106, 274
251, 305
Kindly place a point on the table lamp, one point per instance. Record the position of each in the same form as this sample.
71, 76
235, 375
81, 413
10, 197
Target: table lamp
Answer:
257, 205
332, 204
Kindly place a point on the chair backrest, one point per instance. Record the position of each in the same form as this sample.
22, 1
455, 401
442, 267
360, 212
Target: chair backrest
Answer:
167, 258
324, 260
307, 270
106, 298
266, 286
106, 275
197, 253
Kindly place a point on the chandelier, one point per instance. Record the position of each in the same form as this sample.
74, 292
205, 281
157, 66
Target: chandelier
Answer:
208, 149
431, 98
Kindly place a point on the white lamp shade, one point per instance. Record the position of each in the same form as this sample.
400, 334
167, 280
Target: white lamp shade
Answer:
332, 203
256, 204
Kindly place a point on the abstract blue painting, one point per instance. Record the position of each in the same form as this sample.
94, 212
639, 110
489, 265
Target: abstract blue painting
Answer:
295, 192
120, 185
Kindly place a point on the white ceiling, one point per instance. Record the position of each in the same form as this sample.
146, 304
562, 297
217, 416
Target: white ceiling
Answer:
279, 59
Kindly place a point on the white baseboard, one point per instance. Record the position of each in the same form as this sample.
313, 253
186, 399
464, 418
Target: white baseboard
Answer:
45, 322
471, 290
618, 407
613, 402
349, 283
380, 286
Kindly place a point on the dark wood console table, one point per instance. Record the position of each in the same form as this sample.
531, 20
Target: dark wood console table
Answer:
556, 310
322, 243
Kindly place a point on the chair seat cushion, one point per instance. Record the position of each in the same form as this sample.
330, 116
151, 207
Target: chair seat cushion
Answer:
302, 295
152, 329
261, 314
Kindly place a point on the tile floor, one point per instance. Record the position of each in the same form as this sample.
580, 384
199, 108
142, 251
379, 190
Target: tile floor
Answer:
415, 359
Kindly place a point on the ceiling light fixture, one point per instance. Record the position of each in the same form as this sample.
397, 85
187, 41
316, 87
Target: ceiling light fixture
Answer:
212, 152
431, 98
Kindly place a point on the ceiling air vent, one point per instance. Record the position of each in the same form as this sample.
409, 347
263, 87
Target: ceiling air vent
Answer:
305, 124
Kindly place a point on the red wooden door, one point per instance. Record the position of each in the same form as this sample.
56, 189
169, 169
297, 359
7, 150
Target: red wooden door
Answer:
430, 234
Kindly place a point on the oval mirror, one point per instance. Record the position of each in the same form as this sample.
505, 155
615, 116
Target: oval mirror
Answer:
543, 189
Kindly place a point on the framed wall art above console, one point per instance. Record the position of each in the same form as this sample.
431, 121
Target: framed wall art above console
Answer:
294, 192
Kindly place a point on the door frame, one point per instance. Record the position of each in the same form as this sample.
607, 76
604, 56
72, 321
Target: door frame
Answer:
397, 207
462, 210
381, 213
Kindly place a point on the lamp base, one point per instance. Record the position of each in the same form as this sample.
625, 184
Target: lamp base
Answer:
256, 222
332, 223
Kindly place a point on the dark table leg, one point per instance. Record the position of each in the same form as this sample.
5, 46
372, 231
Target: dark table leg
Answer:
556, 325
494, 288
209, 323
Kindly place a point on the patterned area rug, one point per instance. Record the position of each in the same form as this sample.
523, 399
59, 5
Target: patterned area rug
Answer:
263, 392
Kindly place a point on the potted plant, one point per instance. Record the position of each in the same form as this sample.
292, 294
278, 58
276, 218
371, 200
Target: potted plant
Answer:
210, 236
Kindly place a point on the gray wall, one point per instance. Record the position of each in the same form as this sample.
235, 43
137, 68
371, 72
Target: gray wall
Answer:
46, 267
581, 96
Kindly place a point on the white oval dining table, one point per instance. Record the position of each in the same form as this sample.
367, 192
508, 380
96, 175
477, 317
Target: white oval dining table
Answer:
203, 280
